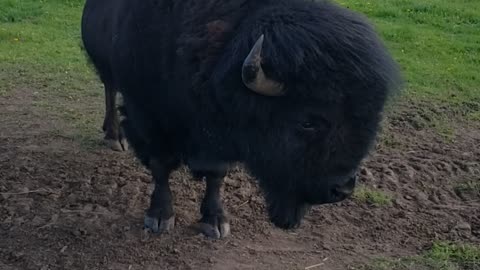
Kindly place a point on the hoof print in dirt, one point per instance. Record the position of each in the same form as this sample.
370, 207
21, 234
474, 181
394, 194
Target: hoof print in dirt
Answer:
154, 225
214, 227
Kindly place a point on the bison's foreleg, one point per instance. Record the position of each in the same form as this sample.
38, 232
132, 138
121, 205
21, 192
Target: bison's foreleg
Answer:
160, 215
214, 222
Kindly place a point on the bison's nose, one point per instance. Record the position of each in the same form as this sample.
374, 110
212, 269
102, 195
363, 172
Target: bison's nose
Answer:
340, 192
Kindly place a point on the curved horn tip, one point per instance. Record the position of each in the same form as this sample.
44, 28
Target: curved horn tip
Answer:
261, 38
257, 47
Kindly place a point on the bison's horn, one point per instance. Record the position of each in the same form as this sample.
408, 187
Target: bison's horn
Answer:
254, 77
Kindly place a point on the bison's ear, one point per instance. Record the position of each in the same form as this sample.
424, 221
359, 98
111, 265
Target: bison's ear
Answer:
254, 77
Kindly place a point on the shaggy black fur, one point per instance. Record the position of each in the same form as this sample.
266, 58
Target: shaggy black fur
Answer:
178, 65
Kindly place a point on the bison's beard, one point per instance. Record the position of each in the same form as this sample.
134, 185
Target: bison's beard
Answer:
284, 212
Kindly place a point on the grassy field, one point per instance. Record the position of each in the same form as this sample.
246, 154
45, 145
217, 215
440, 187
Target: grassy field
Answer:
42, 40
436, 42
40, 48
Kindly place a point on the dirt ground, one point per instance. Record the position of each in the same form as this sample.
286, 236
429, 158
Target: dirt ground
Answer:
65, 206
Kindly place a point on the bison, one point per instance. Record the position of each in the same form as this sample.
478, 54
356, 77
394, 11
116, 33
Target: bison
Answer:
293, 89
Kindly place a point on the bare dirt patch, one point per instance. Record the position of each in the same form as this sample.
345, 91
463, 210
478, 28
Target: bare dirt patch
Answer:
64, 206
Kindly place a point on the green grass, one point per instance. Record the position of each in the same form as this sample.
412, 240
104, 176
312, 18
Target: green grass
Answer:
371, 196
436, 42
17, 10
441, 256
469, 187
40, 45
49, 38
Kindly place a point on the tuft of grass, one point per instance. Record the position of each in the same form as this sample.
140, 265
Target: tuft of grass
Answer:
470, 186
19, 10
441, 256
466, 255
474, 116
371, 196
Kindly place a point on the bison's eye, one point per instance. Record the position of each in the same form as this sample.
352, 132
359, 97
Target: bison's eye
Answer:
308, 126
314, 124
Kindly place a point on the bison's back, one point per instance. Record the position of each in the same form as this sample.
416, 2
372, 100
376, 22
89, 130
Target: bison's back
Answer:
97, 28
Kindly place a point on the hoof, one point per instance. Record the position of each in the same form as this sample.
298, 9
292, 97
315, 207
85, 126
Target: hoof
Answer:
215, 226
154, 225
116, 145
124, 144
215, 232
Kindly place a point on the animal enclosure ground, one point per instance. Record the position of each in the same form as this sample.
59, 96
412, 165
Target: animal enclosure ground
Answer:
67, 202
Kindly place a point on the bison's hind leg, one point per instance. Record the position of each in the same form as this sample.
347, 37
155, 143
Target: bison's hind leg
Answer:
214, 221
114, 137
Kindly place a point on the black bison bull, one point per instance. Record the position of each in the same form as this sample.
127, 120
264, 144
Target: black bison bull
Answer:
292, 89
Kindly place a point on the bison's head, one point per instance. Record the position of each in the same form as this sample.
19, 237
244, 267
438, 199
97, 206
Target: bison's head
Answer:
307, 99
300, 169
